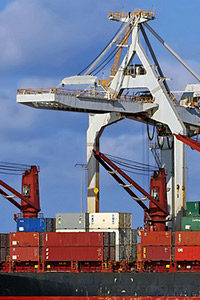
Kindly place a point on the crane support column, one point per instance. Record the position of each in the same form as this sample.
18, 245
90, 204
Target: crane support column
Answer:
167, 162
180, 169
97, 123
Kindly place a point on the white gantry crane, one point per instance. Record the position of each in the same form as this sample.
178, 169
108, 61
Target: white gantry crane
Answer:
136, 89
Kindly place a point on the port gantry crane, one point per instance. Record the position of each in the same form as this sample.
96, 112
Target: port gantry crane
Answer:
157, 106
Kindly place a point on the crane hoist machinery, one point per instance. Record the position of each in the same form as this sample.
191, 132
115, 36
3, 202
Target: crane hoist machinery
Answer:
29, 196
135, 89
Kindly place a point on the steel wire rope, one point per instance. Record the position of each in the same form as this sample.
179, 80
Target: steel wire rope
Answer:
131, 165
101, 51
168, 143
134, 168
148, 133
15, 164
128, 160
113, 53
137, 173
5, 173
160, 145
16, 169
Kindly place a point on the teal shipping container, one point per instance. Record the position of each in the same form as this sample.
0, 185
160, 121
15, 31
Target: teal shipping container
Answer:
190, 223
193, 209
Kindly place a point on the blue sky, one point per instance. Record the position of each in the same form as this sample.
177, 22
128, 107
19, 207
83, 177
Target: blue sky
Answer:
43, 41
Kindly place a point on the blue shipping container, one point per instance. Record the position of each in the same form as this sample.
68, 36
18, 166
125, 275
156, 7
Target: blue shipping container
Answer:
31, 225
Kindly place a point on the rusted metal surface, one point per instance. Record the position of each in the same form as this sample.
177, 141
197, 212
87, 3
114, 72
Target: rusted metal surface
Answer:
76, 253
156, 253
187, 238
24, 239
187, 253
75, 239
24, 254
156, 238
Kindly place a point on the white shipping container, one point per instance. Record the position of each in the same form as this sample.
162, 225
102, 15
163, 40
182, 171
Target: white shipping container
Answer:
112, 220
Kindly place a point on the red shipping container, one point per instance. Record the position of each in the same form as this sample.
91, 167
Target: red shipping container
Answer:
156, 253
187, 238
73, 238
24, 253
24, 239
75, 253
187, 253
156, 238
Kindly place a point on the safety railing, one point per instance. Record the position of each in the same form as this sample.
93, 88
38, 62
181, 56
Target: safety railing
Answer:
121, 15
99, 95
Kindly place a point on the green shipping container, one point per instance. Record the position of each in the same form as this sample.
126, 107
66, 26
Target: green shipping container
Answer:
193, 209
190, 223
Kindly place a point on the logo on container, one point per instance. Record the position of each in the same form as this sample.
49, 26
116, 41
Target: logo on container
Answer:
180, 249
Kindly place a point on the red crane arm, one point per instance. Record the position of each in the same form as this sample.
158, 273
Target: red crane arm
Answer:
188, 141
121, 182
20, 196
10, 199
102, 158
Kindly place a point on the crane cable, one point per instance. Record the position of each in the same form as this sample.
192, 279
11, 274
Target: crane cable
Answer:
129, 166
113, 53
101, 51
13, 168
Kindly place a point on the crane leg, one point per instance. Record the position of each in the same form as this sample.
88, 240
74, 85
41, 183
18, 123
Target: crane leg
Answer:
174, 162
97, 123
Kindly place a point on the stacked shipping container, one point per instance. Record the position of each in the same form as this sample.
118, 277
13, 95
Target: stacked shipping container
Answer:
187, 246
4, 247
72, 222
79, 246
55, 247
156, 245
117, 223
25, 246
192, 220
120, 224
36, 225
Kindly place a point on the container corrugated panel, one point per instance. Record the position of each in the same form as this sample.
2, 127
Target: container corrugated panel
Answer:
156, 253
190, 223
119, 234
31, 225
24, 239
134, 252
112, 254
112, 238
156, 238
187, 253
193, 208
127, 252
3, 254
110, 220
4, 239
72, 221
187, 238
77, 253
125, 236
50, 224
73, 239
133, 236
25, 253
106, 238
